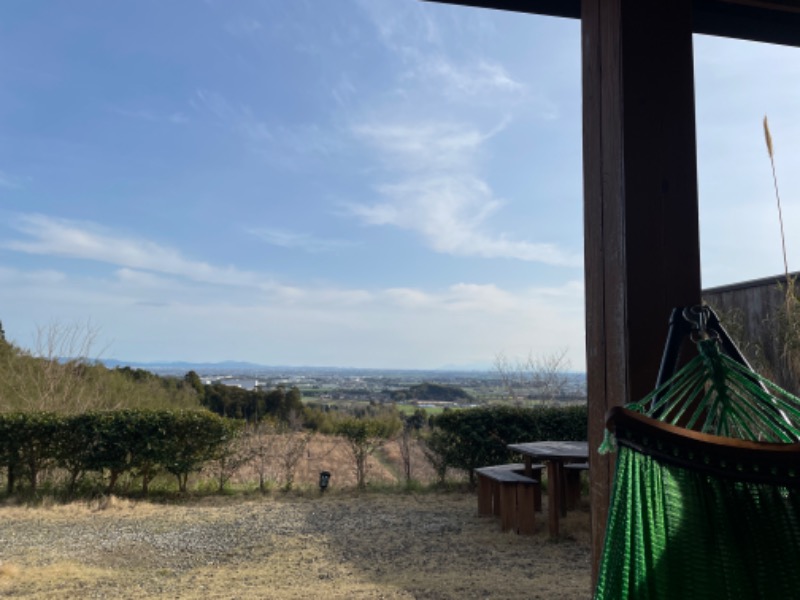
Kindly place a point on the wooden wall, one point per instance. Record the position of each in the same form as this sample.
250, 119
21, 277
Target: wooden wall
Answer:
750, 312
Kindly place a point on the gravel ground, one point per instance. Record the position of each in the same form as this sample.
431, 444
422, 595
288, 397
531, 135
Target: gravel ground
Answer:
286, 546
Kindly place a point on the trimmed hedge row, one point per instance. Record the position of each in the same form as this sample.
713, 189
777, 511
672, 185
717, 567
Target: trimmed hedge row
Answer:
142, 443
478, 437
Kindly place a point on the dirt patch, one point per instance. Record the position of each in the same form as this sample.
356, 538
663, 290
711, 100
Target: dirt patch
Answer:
339, 545
331, 453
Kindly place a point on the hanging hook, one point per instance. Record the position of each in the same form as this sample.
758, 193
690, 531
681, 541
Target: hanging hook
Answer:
698, 318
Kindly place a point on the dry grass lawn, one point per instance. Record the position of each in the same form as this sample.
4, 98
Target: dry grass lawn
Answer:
286, 546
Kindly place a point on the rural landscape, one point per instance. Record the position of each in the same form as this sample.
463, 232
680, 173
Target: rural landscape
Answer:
347, 299
240, 481
120, 482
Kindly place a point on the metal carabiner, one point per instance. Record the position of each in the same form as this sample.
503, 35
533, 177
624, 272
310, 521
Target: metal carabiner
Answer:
698, 317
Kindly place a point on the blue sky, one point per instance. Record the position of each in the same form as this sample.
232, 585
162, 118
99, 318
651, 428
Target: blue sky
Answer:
365, 183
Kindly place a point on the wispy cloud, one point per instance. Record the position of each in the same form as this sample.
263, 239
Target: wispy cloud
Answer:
299, 241
239, 308
345, 91
411, 33
403, 27
139, 114
451, 213
144, 265
425, 146
41, 276
8, 182
433, 138
463, 81
242, 26
239, 118
482, 298
61, 237
286, 146
331, 326
438, 194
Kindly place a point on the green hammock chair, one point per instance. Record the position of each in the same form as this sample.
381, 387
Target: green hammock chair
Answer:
706, 497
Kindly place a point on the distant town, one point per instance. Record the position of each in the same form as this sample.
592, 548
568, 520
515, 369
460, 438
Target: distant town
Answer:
328, 384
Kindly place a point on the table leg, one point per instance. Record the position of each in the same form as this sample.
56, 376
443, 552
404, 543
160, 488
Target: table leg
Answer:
554, 497
528, 466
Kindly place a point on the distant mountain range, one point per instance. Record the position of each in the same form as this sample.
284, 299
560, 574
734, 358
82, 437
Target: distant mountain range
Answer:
232, 366
186, 366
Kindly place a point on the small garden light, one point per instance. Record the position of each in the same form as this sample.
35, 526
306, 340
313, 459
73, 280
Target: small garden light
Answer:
324, 478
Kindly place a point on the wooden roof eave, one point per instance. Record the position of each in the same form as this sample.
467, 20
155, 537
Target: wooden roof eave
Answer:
552, 8
774, 21
754, 21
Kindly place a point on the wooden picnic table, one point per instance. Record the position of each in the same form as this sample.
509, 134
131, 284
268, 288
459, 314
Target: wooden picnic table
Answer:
555, 455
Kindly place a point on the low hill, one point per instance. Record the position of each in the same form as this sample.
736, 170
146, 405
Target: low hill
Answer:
433, 392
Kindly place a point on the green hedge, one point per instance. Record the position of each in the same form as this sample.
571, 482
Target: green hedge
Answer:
478, 437
141, 443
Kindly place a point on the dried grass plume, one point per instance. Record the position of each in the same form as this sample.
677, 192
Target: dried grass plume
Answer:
771, 151
768, 138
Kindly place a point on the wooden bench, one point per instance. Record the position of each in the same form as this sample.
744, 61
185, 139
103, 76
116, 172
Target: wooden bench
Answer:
572, 473
504, 491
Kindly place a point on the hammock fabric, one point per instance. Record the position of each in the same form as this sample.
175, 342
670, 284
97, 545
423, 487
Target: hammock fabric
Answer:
706, 497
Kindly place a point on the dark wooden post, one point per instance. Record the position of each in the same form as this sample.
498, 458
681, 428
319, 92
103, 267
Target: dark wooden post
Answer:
640, 203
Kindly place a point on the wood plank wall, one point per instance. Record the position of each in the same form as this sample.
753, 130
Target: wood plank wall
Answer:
749, 311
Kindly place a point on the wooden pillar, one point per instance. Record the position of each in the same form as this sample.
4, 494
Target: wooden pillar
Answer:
640, 204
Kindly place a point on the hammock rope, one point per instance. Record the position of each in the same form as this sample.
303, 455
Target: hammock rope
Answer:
715, 394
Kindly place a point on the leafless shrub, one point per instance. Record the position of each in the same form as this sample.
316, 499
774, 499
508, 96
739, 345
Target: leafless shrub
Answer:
238, 453
290, 448
536, 377
58, 374
262, 436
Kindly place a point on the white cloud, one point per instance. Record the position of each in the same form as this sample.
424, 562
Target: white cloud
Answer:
165, 319
300, 241
439, 196
408, 297
484, 299
425, 146
244, 313
402, 27
140, 279
61, 237
413, 35
41, 276
462, 82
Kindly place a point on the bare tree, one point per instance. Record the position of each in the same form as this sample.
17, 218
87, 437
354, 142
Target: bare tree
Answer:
263, 442
364, 436
536, 377
412, 424
291, 447
58, 374
404, 443
236, 454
